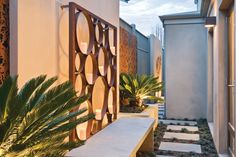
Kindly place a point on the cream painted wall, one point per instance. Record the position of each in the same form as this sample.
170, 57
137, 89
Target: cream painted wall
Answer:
39, 35
185, 68
155, 52
33, 39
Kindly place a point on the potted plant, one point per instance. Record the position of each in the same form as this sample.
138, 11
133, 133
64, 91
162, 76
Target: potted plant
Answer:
36, 120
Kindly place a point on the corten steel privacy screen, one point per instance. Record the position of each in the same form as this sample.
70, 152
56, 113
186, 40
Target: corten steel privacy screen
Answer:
93, 67
4, 40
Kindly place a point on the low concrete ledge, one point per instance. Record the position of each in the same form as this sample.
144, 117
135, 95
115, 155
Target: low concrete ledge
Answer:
122, 138
151, 111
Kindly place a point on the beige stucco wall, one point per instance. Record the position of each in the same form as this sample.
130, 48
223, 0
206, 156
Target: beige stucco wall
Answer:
39, 35
33, 38
155, 52
185, 68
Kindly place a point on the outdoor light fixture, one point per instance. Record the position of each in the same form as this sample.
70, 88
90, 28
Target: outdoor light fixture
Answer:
210, 21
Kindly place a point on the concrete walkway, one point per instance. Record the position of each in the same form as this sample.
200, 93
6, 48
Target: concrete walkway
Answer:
177, 125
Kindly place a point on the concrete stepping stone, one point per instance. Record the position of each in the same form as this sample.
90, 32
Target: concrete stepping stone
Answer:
181, 122
182, 136
179, 128
180, 147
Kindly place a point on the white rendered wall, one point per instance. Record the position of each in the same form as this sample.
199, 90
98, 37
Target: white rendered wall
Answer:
186, 68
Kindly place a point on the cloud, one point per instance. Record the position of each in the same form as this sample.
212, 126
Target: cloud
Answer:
144, 13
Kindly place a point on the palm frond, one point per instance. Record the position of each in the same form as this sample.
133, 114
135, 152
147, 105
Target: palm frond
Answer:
38, 117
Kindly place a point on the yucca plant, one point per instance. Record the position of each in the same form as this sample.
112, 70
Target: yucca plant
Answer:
35, 121
139, 88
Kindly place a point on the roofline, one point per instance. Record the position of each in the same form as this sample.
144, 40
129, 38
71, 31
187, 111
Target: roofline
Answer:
125, 22
186, 15
130, 25
204, 7
197, 14
141, 34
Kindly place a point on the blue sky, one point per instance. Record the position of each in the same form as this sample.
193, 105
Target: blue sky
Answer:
144, 13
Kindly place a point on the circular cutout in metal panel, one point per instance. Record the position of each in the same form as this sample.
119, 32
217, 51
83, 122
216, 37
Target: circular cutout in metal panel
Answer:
91, 69
98, 32
84, 130
84, 33
79, 62
80, 84
112, 100
99, 98
105, 42
111, 74
103, 61
111, 40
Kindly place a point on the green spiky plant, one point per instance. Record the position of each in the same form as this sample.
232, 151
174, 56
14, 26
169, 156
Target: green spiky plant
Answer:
139, 88
35, 121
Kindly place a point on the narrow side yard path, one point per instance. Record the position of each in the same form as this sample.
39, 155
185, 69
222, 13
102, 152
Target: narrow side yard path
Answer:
172, 135
184, 138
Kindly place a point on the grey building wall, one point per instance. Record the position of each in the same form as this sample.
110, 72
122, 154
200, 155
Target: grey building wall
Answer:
185, 68
143, 54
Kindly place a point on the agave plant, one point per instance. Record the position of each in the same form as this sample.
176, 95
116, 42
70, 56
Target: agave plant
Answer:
35, 121
139, 88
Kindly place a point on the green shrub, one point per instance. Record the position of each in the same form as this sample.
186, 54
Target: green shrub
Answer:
35, 121
184, 130
139, 88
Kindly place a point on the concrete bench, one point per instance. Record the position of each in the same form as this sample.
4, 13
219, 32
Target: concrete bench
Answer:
122, 138
151, 111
